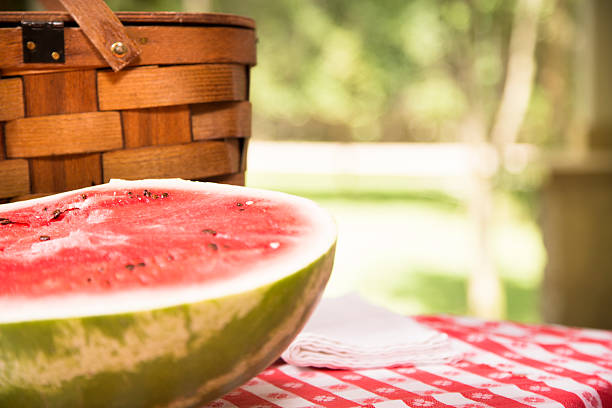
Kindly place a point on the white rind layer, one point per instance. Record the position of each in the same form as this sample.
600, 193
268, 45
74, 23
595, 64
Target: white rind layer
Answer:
311, 248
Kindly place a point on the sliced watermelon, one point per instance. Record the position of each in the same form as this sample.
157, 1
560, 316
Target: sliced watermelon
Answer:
154, 292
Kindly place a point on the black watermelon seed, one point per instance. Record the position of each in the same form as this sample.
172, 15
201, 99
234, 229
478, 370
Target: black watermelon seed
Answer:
44, 238
84, 196
213, 246
164, 195
146, 193
239, 204
129, 267
141, 264
56, 213
209, 231
5, 221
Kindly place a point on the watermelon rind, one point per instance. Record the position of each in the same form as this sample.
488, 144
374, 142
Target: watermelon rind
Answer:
178, 355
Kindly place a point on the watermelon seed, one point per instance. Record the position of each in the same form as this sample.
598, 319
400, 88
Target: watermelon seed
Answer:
57, 213
213, 246
141, 264
170, 258
84, 196
44, 238
89, 280
5, 221
155, 196
209, 231
241, 209
45, 209
239, 204
164, 195
146, 193
130, 267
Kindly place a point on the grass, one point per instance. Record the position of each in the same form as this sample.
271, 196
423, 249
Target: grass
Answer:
409, 245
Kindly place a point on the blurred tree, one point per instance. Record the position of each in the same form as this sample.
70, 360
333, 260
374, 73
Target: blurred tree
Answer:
485, 293
401, 70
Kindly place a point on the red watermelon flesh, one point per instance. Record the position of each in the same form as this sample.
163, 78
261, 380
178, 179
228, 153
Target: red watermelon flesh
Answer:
153, 293
132, 236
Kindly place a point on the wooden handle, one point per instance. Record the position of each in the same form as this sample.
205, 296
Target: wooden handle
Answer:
104, 30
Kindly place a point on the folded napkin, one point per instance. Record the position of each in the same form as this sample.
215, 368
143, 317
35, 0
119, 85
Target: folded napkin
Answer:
349, 333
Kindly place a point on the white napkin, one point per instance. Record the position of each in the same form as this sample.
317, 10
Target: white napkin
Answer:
349, 333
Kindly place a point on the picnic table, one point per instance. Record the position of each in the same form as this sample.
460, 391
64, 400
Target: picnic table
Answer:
502, 364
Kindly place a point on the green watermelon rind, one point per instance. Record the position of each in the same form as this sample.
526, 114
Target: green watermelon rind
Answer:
178, 356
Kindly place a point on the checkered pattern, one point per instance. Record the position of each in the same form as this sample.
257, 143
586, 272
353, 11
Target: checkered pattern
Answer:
504, 364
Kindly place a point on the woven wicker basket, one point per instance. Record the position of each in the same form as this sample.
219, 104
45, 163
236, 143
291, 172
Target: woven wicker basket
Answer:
179, 108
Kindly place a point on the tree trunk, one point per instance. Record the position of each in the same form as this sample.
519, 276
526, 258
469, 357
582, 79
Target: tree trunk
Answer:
485, 291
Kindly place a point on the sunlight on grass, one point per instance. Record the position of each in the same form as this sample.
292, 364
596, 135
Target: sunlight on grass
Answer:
410, 248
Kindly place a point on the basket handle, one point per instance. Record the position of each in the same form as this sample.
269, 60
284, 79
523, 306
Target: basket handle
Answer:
104, 30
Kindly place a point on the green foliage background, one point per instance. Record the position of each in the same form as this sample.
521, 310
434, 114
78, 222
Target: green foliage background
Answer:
400, 70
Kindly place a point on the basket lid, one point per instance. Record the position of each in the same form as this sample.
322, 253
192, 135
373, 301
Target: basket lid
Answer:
165, 38
128, 18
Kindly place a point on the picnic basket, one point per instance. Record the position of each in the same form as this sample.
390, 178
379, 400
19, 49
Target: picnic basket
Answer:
89, 95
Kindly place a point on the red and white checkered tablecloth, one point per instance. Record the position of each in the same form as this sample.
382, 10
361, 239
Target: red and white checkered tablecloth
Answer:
504, 365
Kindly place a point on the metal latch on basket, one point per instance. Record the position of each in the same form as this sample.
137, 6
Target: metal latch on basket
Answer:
43, 41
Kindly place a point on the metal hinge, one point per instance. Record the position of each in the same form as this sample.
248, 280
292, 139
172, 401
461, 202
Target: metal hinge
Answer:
43, 41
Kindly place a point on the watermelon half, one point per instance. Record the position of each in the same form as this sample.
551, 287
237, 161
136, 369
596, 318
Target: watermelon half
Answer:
153, 293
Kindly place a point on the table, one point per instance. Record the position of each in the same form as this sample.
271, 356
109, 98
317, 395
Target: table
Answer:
503, 364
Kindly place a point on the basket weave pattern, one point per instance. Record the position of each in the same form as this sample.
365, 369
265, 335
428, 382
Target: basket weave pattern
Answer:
176, 112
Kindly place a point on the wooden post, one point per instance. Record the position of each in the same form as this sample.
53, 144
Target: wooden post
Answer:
577, 198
